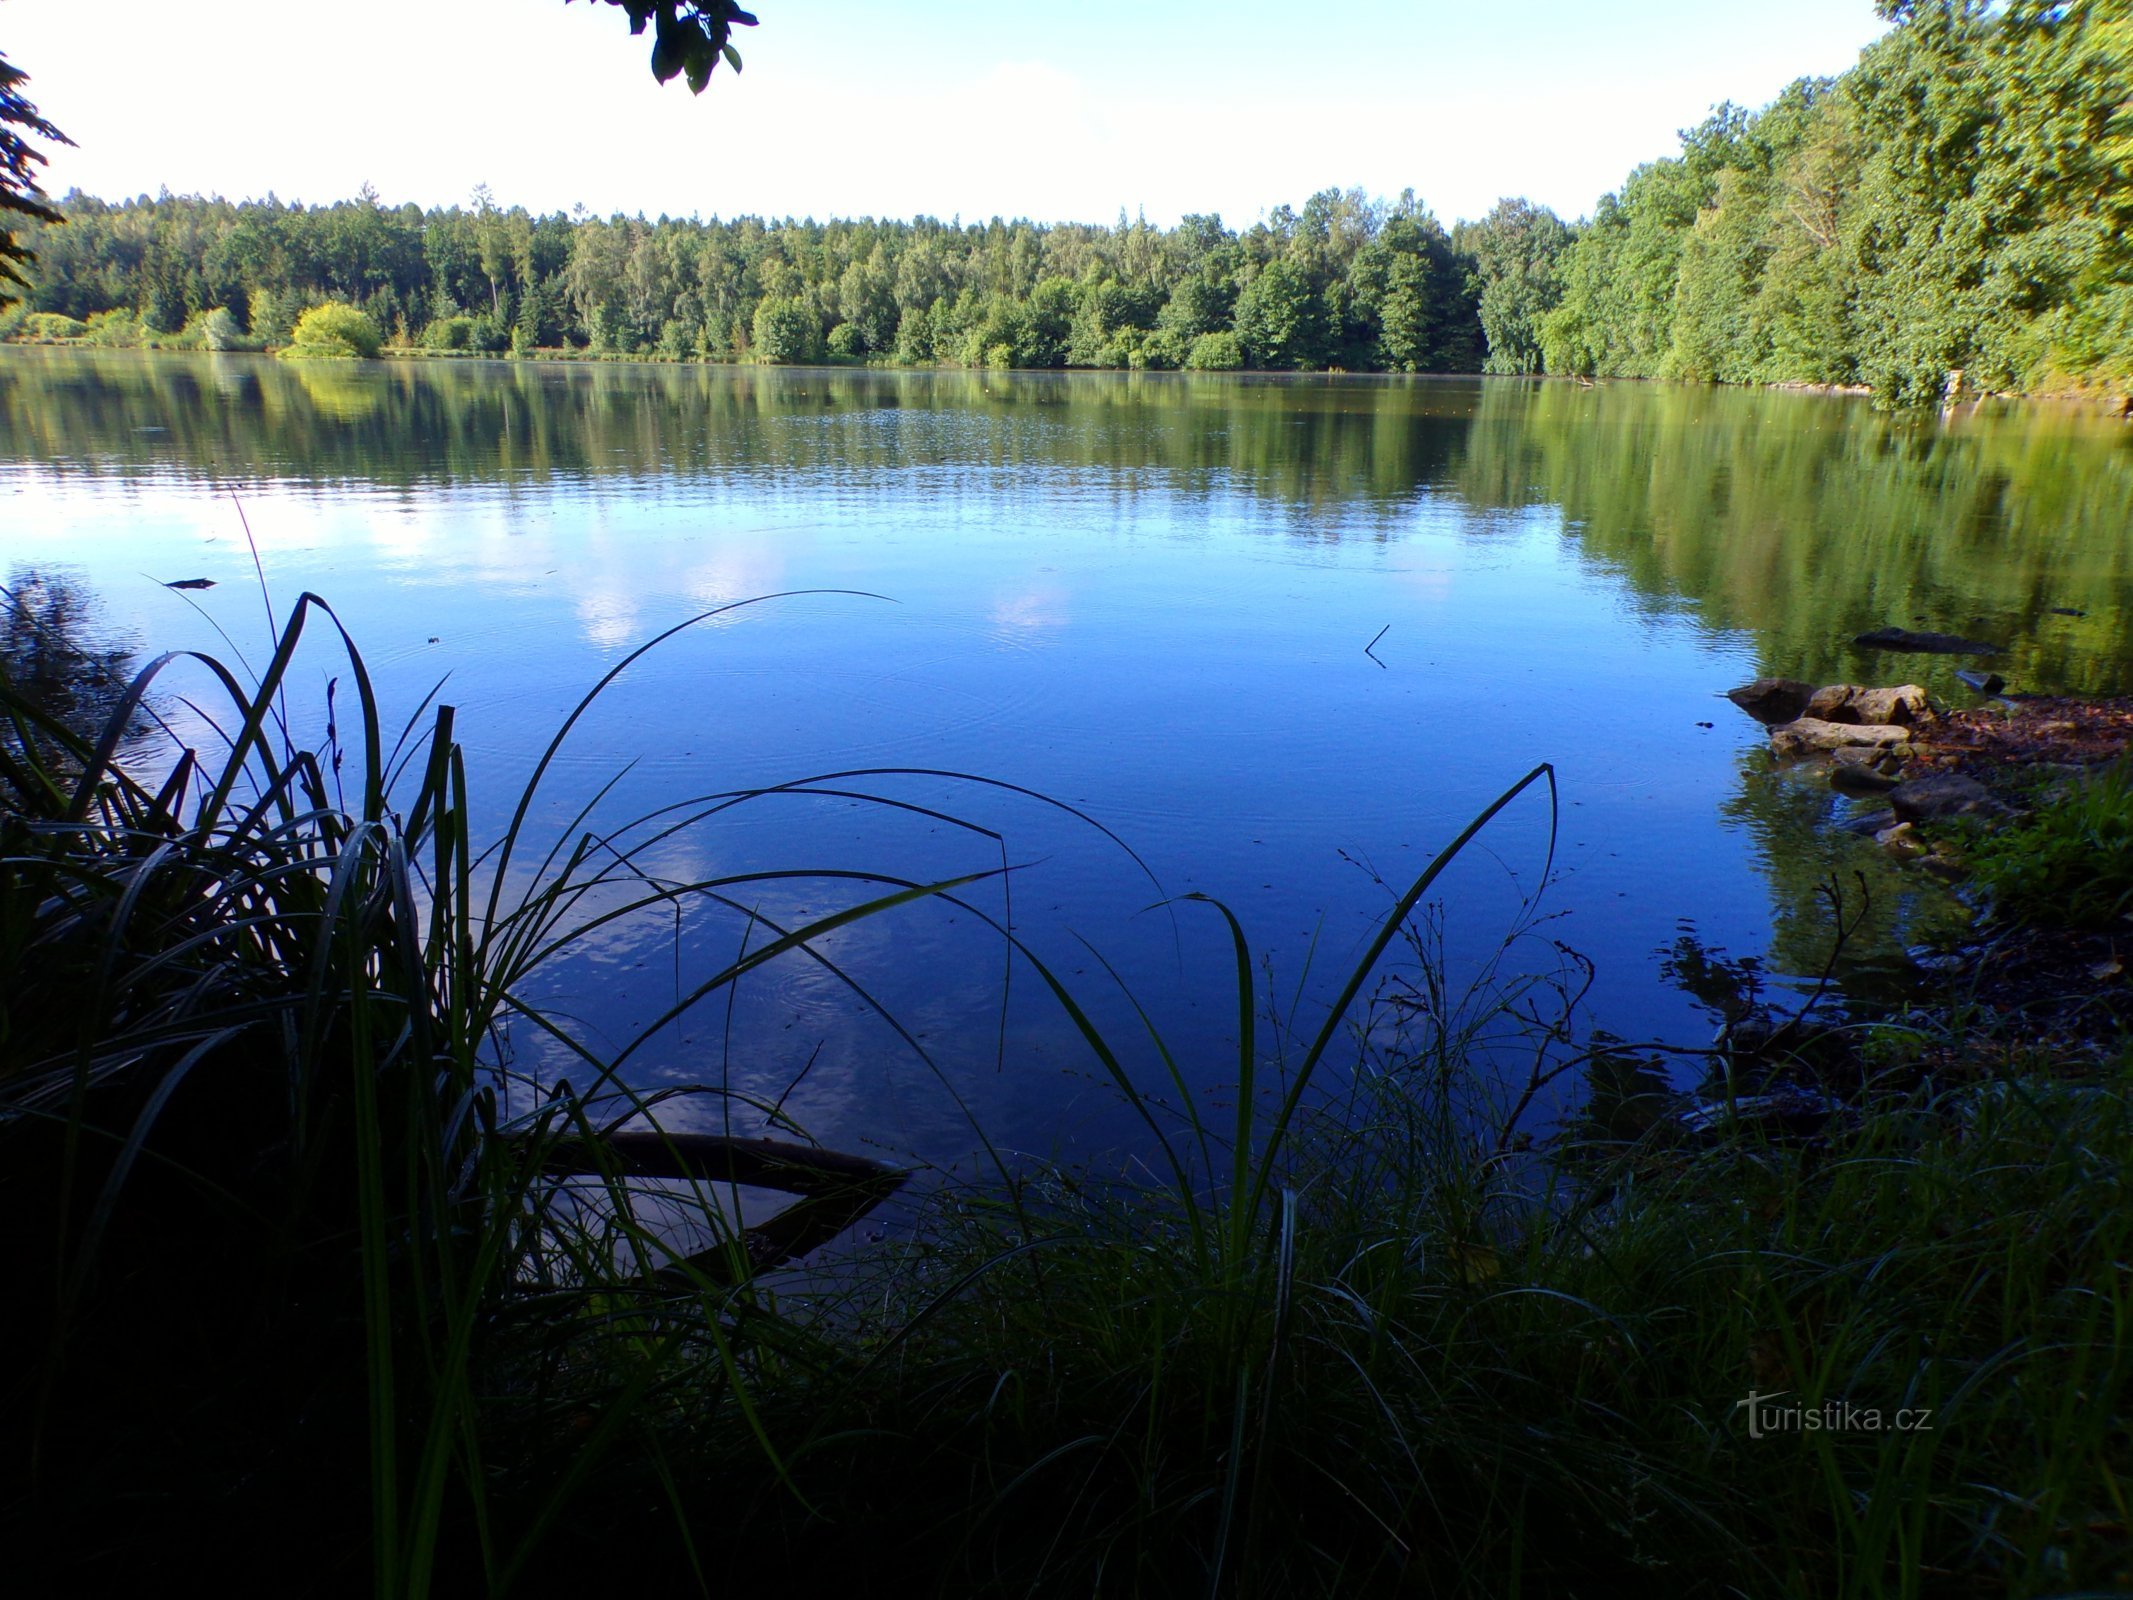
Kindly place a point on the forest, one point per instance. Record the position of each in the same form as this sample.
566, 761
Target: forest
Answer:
1956, 211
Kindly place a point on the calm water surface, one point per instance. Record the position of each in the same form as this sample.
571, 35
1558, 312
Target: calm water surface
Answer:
1147, 597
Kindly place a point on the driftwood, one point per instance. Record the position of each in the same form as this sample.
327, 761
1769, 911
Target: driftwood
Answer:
835, 1190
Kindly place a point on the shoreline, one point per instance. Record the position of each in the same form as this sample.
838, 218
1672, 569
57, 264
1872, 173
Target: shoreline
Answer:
2110, 399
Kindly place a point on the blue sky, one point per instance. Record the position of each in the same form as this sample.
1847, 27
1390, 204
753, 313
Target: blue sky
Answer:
853, 107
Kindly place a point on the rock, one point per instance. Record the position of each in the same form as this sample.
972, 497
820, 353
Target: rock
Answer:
1789, 1112
1982, 682
1847, 702
1945, 794
1807, 735
1871, 824
1937, 963
1939, 644
1772, 700
1944, 863
1857, 771
1905, 705
1901, 841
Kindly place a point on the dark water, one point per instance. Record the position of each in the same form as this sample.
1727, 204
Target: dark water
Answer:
1147, 597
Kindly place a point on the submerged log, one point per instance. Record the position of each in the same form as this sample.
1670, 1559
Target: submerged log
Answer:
835, 1190
1940, 644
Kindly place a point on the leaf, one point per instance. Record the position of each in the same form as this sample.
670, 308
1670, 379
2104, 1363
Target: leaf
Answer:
2115, 967
700, 65
671, 52
1477, 1263
191, 583
733, 56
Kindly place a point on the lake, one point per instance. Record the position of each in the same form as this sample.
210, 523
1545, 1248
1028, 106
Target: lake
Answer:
1271, 640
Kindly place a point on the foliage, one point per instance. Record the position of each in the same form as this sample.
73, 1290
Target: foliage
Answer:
1960, 202
20, 197
51, 326
785, 330
2069, 862
256, 1090
334, 329
1216, 352
689, 37
214, 329
1516, 250
449, 333
1277, 324
1380, 285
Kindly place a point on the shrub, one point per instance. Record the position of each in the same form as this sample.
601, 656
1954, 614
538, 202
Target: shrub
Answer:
335, 329
115, 329
1216, 352
449, 333
213, 329
676, 339
46, 326
489, 334
846, 340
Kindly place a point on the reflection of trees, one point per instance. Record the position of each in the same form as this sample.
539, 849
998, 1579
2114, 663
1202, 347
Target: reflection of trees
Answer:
1801, 519
1806, 520
51, 655
1363, 447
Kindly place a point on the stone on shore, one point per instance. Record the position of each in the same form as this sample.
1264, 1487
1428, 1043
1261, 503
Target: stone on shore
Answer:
1811, 735
1862, 769
1945, 794
1848, 702
1901, 841
1773, 700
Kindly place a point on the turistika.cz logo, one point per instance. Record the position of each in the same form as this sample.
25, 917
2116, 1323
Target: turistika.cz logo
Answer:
1766, 1416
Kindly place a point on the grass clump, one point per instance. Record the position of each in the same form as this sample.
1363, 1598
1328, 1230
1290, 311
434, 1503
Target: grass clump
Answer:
2067, 863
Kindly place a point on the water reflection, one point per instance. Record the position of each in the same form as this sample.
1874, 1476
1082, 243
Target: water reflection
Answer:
57, 654
1146, 595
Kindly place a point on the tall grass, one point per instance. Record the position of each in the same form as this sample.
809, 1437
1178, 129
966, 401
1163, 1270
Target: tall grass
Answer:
317, 1290
254, 1024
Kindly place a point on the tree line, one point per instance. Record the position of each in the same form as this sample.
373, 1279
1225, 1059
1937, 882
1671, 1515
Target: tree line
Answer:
1347, 281
1955, 212
1960, 202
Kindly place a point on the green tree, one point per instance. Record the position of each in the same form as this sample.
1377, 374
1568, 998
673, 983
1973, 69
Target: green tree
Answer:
786, 330
1277, 320
1517, 250
20, 196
